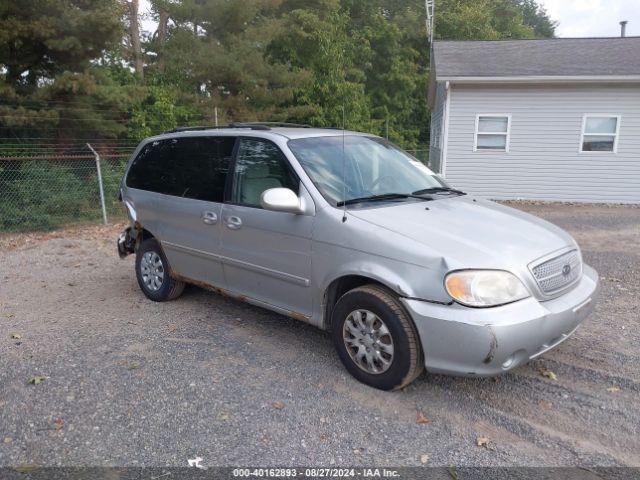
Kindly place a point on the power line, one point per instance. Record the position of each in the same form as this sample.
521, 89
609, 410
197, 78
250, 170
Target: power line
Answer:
100, 119
57, 157
76, 105
66, 144
22, 107
79, 139
57, 146
40, 118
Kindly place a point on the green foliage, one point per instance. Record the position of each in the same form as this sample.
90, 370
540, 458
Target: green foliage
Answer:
535, 16
316, 61
51, 81
112, 172
65, 70
159, 111
226, 64
318, 42
492, 20
41, 39
44, 196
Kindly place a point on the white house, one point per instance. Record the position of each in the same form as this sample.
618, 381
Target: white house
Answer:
553, 119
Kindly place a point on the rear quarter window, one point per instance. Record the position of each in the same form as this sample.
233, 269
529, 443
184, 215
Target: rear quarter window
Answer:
190, 167
153, 171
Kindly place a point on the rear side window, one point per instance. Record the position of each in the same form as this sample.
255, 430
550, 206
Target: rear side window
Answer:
192, 167
152, 169
204, 163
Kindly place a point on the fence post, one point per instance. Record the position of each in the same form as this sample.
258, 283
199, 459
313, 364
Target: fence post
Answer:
104, 208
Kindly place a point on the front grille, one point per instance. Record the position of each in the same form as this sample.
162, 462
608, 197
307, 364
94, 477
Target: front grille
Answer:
559, 272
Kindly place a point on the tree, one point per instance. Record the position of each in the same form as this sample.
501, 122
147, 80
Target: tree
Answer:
72, 68
49, 79
134, 36
80, 69
536, 17
393, 54
227, 66
41, 39
491, 20
316, 41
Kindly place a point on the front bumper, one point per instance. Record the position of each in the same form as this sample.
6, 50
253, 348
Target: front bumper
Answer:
458, 340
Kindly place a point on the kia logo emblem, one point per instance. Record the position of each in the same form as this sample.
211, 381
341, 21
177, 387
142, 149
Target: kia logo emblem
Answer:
566, 270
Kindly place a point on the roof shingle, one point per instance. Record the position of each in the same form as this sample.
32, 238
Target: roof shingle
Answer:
561, 57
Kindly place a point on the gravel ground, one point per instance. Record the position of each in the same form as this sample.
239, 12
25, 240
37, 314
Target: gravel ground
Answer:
130, 382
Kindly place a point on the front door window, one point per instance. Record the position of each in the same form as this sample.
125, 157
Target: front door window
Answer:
260, 165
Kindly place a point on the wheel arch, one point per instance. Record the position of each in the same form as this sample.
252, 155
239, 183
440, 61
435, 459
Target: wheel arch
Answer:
141, 233
343, 284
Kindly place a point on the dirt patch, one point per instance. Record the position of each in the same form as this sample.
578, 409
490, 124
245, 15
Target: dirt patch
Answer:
21, 241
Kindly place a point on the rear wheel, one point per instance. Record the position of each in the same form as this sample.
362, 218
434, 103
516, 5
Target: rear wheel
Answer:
152, 272
375, 338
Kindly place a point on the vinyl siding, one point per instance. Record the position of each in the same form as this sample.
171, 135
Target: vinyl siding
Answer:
437, 128
544, 160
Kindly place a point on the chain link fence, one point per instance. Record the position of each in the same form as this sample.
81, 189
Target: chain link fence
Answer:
48, 186
44, 189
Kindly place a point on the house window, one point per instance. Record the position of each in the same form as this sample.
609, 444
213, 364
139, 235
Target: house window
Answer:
492, 132
600, 133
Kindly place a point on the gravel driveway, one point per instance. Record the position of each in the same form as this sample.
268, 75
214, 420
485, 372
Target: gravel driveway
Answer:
131, 382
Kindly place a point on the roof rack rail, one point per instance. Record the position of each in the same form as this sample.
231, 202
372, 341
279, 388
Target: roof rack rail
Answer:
250, 125
272, 124
214, 127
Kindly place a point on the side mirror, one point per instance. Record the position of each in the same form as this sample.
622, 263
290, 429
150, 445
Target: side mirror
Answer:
281, 200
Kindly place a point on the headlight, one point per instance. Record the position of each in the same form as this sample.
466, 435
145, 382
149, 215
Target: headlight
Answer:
484, 288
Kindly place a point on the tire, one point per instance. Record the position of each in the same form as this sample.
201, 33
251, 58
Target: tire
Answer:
406, 361
154, 279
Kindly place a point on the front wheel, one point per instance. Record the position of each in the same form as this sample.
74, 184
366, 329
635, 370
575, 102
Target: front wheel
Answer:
375, 338
152, 272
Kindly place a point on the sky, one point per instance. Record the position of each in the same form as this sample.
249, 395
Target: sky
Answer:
593, 18
576, 18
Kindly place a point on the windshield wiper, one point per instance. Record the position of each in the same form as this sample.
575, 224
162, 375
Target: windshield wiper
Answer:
438, 190
380, 198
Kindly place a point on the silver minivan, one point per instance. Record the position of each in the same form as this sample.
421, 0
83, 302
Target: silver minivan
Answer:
347, 232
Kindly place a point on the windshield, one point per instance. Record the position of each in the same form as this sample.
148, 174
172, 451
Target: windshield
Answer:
372, 167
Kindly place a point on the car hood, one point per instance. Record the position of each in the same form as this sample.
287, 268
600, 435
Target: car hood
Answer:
470, 233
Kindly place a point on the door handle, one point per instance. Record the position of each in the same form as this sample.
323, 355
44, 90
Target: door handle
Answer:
210, 218
233, 222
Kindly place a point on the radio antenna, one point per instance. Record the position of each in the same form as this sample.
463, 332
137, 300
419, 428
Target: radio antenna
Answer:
344, 167
430, 7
